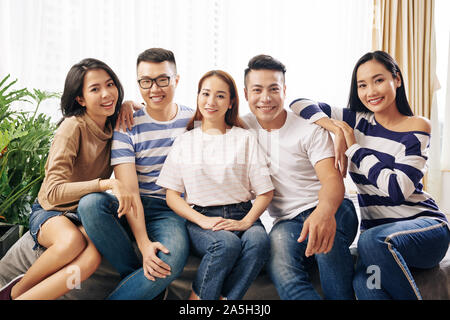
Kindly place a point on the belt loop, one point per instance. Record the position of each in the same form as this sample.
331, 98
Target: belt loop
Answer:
225, 211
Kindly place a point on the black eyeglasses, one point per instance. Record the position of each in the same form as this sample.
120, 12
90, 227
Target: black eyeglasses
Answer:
161, 81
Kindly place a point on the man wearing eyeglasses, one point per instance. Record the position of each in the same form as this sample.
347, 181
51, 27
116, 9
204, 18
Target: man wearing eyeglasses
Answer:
138, 156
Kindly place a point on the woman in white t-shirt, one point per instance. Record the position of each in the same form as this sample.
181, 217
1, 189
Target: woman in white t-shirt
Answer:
218, 167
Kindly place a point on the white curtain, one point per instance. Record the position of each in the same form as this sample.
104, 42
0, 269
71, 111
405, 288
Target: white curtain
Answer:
445, 160
445, 163
439, 160
319, 41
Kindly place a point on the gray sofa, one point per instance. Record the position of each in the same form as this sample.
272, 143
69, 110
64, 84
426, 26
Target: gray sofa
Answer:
433, 283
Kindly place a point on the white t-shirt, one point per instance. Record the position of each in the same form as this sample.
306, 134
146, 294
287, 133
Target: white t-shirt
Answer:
216, 170
292, 152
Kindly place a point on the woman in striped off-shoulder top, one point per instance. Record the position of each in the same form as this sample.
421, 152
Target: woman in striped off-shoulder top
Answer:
387, 150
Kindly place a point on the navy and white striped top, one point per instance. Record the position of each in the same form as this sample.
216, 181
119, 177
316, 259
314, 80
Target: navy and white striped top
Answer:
147, 145
386, 166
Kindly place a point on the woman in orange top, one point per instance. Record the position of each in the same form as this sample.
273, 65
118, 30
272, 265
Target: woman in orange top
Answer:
78, 164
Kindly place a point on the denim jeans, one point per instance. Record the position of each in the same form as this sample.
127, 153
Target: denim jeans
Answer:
386, 252
112, 237
288, 265
231, 260
39, 216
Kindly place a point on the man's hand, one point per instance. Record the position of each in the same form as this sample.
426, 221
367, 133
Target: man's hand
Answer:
321, 228
153, 266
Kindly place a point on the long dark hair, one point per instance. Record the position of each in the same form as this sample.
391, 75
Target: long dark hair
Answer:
355, 104
232, 115
73, 88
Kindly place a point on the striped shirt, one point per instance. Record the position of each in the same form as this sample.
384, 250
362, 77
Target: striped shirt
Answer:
214, 170
386, 166
147, 145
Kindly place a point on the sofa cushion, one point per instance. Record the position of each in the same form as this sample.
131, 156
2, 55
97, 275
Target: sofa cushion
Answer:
433, 283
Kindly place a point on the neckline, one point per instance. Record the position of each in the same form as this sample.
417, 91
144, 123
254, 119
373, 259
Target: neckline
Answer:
398, 132
285, 124
94, 128
163, 122
228, 131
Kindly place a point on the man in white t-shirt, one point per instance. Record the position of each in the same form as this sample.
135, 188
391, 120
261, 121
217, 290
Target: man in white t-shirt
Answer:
312, 218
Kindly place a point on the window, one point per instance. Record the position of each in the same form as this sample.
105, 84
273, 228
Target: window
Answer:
318, 41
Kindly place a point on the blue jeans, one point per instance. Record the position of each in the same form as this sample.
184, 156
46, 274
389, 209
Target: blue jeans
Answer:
111, 236
386, 252
231, 260
288, 265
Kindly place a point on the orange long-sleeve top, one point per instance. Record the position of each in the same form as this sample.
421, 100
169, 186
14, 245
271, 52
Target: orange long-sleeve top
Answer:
79, 158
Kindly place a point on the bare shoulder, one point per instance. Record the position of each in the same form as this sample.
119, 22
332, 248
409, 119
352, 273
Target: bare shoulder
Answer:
417, 123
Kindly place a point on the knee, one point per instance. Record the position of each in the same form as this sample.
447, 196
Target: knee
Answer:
70, 246
226, 248
177, 256
279, 256
92, 205
370, 244
257, 242
279, 243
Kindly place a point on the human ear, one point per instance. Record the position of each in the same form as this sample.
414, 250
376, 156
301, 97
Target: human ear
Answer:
81, 101
177, 78
398, 80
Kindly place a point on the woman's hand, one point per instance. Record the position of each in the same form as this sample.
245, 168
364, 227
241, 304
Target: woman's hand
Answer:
348, 132
125, 116
340, 146
127, 200
208, 223
232, 225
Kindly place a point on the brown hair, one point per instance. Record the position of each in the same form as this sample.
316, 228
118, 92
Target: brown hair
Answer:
232, 115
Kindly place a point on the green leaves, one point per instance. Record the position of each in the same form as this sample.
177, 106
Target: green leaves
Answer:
25, 139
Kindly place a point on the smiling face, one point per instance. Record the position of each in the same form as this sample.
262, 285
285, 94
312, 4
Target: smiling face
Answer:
214, 100
158, 98
376, 86
265, 92
100, 95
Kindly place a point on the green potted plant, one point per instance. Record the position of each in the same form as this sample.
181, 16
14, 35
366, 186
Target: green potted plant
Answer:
25, 139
